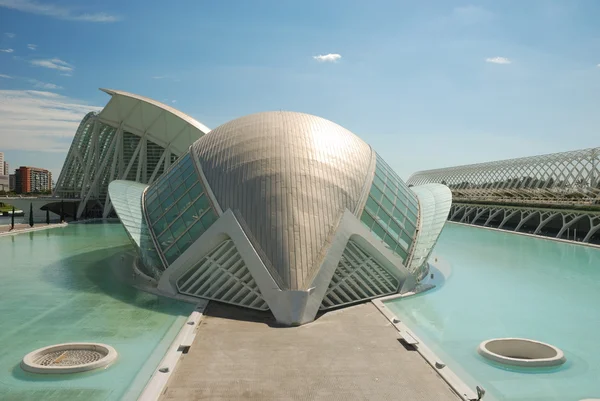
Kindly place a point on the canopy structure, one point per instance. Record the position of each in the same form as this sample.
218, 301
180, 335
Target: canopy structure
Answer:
132, 138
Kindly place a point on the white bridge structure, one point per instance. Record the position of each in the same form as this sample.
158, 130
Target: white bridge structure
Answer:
556, 195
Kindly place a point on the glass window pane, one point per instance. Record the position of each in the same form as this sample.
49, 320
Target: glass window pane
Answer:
160, 225
195, 191
399, 217
190, 217
202, 205
208, 219
389, 241
372, 206
367, 220
183, 203
390, 194
172, 253
377, 181
378, 231
165, 239
376, 193
394, 229
155, 214
179, 191
387, 204
172, 214
177, 228
191, 180
383, 217
406, 237
196, 230
184, 242
401, 252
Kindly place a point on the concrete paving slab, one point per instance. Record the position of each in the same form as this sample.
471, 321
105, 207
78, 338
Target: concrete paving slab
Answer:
348, 354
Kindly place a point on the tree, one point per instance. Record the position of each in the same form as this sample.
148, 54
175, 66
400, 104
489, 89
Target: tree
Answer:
47, 216
30, 214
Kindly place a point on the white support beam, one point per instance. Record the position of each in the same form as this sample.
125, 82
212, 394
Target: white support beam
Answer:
98, 174
157, 167
117, 159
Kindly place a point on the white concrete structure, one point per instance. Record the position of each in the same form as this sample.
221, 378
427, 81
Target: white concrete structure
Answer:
521, 352
285, 212
133, 138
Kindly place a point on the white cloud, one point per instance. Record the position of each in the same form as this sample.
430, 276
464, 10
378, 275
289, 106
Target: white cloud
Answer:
168, 77
6, 50
498, 60
44, 85
56, 11
39, 120
331, 57
10, 35
5, 76
173, 101
32, 46
55, 64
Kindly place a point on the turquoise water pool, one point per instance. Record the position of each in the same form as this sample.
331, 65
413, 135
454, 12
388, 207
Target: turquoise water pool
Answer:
506, 285
60, 285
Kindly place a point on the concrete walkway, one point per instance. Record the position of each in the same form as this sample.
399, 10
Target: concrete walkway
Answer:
349, 354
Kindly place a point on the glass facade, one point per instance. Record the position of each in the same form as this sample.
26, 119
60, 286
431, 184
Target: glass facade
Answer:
391, 210
178, 209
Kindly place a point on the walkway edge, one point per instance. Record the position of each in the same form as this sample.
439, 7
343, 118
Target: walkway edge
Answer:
159, 379
32, 229
459, 387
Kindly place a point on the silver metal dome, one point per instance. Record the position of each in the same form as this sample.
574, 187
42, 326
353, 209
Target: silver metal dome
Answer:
288, 177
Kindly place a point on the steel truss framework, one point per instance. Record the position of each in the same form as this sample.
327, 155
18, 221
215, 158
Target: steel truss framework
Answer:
565, 224
133, 138
558, 178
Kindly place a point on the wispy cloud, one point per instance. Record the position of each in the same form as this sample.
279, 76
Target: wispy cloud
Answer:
10, 35
43, 85
6, 50
498, 60
5, 76
598, 65
56, 11
166, 77
173, 101
54, 63
39, 120
331, 57
32, 46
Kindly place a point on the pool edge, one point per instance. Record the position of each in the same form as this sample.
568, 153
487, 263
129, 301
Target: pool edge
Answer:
163, 371
451, 378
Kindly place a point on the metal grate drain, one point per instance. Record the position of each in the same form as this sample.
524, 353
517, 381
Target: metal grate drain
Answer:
69, 358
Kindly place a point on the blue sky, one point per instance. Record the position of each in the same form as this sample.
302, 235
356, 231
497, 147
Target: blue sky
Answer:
428, 84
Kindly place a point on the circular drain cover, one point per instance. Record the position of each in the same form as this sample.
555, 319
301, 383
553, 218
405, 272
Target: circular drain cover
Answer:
69, 358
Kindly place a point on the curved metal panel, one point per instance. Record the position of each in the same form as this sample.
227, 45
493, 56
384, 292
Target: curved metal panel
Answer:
435, 201
289, 176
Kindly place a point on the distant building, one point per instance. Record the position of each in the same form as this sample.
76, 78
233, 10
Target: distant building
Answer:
32, 180
6, 169
12, 182
3, 170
